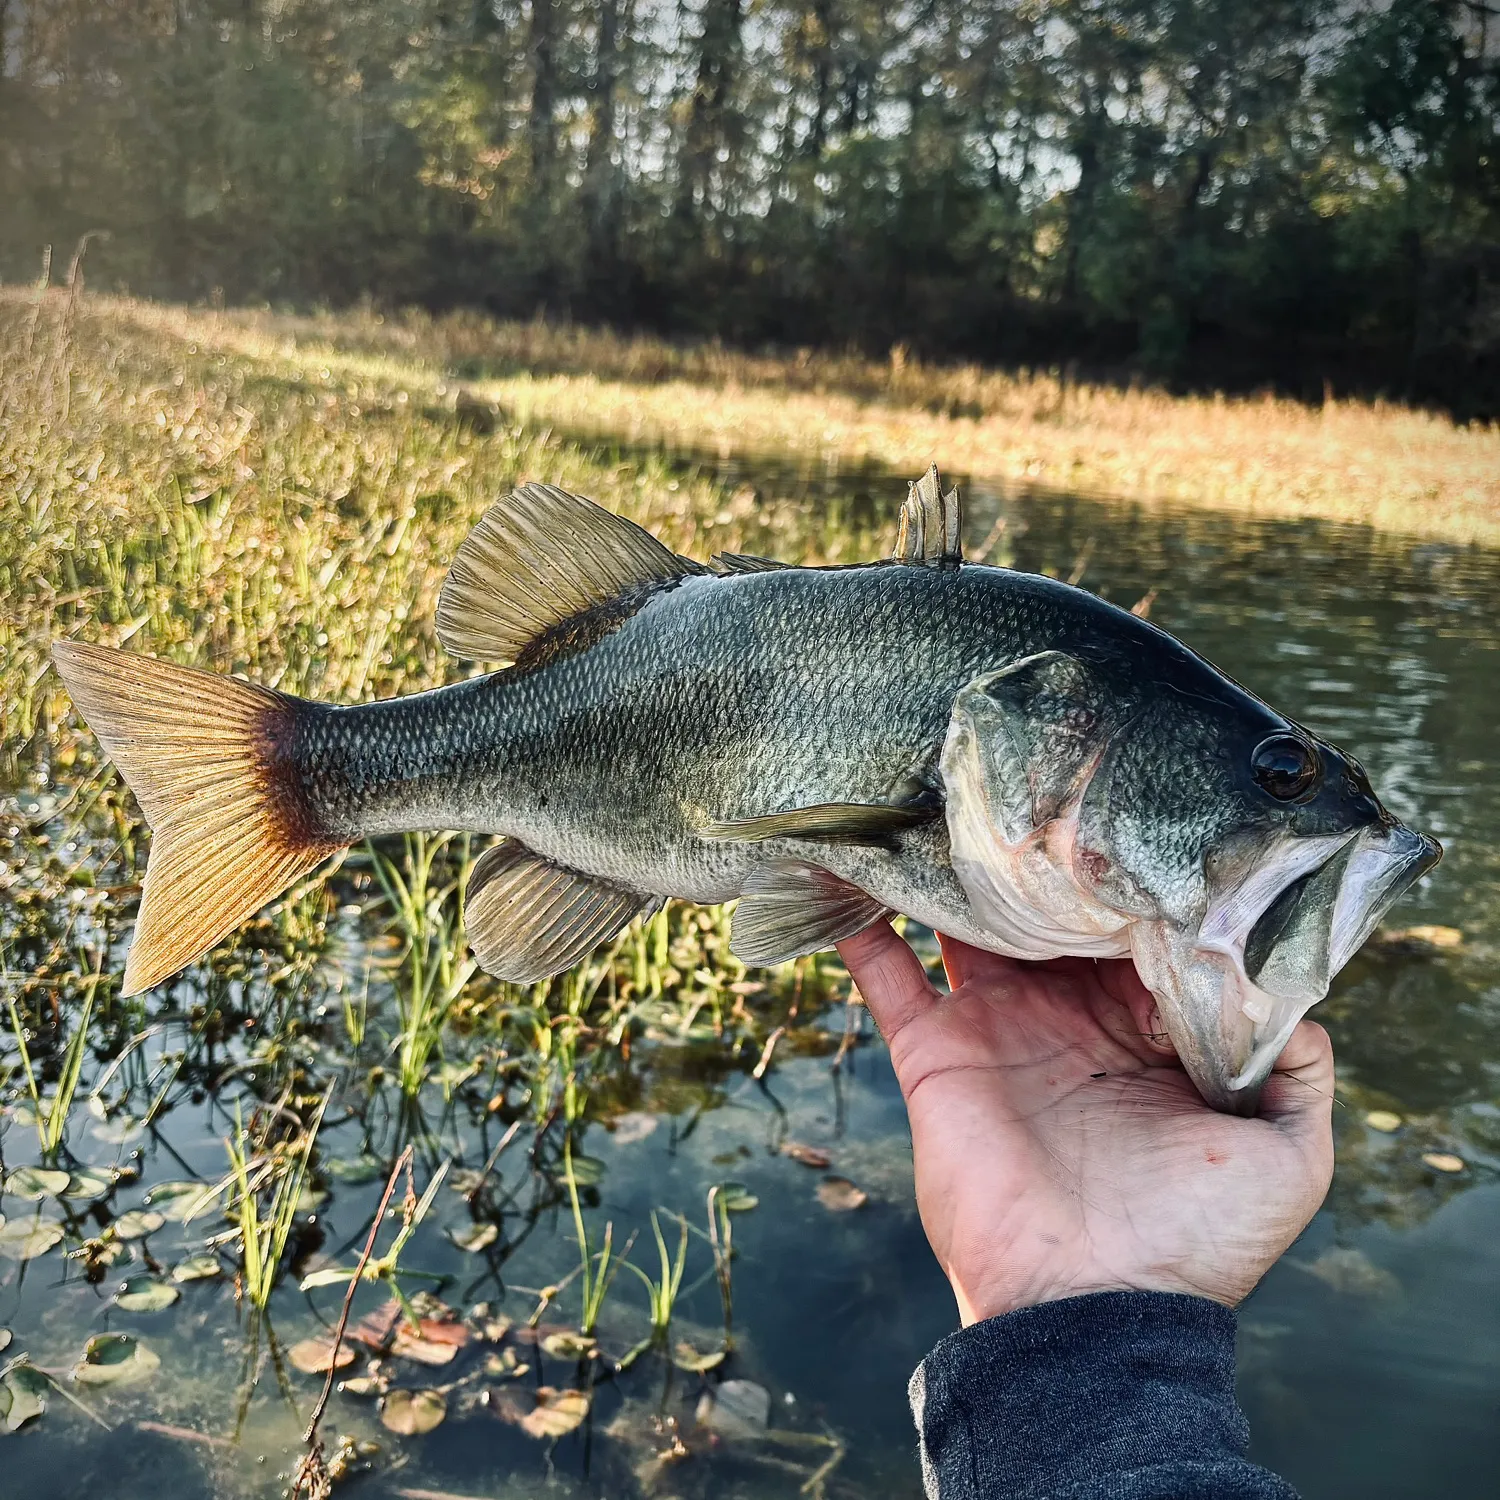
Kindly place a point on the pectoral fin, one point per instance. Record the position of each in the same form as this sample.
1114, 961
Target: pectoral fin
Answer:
529, 919
829, 822
789, 909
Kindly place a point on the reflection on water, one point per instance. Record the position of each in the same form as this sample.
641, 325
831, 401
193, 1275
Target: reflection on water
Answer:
1370, 1358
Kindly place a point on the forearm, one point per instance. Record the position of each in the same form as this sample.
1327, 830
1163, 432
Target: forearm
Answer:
1120, 1394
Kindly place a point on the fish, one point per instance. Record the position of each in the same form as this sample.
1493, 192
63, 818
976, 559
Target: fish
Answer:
1000, 756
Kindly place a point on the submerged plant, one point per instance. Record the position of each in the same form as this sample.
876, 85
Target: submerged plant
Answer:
594, 1278
388, 1267
661, 1293
264, 1229
52, 1114
435, 965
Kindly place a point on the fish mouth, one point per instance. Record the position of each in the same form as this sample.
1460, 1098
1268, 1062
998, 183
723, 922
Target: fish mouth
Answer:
1232, 993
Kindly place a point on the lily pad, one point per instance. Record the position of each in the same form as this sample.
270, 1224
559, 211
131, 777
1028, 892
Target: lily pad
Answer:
23, 1397
137, 1224
544, 1413
737, 1198
1384, 1120
411, 1413
25, 1239
36, 1182
685, 1357
115, 1359
179, 1201
88, 1183
475, 1237
316, 1356
436, 1344
840, 1196
365, 1385
566, 1344
197, 1268
588, 1171
357, 1169
808, 1156
118, 1132
736, 1409
146, 1294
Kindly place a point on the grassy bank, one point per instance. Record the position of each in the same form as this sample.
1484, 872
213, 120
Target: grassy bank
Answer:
1391, 467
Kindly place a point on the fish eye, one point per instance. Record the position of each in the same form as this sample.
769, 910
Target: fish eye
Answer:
1286, 767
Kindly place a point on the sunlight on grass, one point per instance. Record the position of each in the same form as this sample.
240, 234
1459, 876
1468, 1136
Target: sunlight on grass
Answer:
1401, 469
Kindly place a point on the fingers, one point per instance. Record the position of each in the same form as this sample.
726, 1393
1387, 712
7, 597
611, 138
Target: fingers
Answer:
964, 963
890, 977
1147, 1031
1298, 1095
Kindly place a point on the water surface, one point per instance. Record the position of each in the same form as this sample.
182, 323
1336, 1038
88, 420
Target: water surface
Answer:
1370, 1358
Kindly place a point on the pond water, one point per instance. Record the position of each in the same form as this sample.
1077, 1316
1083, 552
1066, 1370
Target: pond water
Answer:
1370, 1357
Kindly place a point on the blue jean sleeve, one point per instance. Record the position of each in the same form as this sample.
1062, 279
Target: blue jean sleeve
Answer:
1113, 1396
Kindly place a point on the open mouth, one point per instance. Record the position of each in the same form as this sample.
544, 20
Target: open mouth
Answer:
1313, 926
1321, 918
1233, 992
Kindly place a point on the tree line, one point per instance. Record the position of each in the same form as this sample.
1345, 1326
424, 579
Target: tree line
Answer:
1297, 192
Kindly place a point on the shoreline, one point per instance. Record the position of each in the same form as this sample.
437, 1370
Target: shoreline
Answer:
1397, 469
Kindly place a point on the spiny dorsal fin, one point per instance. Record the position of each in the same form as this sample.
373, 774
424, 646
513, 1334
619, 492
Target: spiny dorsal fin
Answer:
789, 909
832, 822
541, 557
529, 919
745, 562
932, 525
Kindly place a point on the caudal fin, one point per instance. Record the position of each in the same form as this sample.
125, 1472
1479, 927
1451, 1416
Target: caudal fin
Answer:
208, 759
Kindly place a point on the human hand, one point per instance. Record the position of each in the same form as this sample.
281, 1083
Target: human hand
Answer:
1061, 1148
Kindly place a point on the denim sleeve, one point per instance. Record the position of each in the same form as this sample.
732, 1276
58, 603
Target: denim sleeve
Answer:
1114, 1396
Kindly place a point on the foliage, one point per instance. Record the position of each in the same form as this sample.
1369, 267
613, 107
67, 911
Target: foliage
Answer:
1295, 190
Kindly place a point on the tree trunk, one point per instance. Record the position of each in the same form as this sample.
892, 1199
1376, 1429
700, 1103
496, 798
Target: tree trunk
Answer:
541, 123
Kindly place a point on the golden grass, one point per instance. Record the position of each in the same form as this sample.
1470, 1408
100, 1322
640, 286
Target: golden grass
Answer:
1385, 465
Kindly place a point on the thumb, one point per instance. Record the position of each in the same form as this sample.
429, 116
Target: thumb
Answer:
1298, 1096
890, 977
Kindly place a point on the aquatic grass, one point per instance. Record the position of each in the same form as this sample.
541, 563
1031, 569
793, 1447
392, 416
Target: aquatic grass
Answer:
52, 1114
435, 966
596, 1270
265, 1229
661, 1291
387, 1268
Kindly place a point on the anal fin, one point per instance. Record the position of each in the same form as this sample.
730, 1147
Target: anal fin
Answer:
830, 822
790, 908
529, 919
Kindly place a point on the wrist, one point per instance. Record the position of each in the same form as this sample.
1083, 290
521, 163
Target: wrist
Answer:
993, 1296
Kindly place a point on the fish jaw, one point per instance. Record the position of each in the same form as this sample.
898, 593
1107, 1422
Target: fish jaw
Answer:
1301, 915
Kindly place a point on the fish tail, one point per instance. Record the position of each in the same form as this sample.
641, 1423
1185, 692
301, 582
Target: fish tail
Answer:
210, 760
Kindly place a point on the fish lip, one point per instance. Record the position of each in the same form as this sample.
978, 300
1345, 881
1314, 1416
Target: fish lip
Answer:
1227, 1030
1400, 856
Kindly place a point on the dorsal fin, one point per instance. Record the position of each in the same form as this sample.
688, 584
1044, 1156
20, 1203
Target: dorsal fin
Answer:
932, 525
726, 563
537, 559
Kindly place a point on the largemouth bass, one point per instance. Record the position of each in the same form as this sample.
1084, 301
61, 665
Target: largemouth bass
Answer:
1003, 757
